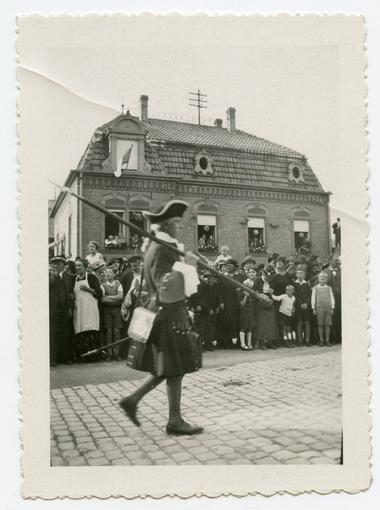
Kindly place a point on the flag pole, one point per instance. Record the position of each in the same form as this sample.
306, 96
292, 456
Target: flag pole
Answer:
152, 237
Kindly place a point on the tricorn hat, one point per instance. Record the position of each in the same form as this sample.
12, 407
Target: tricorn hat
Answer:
58, 258
172, 209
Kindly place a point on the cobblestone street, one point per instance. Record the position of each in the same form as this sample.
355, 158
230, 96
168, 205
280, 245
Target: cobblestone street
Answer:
281, 410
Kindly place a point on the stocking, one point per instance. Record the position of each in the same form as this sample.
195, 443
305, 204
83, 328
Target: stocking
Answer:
173, 389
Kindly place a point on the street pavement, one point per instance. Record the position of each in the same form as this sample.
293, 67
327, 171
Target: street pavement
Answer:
278, 409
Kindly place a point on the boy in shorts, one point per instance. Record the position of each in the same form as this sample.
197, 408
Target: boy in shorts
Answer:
286, 315
323, 304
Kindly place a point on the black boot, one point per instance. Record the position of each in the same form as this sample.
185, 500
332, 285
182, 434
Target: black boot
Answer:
176, 425
182, 428
129, 404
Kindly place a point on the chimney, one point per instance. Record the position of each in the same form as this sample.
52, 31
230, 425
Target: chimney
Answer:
231, 121
144, 108
218, 123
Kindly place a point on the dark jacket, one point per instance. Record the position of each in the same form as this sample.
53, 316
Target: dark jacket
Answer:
126, 281
302, 294
334, 281
158, 263
278, 283
59, 301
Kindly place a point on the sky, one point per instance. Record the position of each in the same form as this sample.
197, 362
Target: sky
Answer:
284, 85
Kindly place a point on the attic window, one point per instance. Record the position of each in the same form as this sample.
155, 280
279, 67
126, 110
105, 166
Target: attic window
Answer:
203, 163
296, 172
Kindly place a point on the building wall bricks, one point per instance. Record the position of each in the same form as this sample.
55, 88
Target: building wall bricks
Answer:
231, 222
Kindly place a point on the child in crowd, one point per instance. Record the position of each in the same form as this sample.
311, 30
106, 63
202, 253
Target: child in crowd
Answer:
323, 304
286, 314
111, 301
303, 305
223, 256
207, 303
247, 316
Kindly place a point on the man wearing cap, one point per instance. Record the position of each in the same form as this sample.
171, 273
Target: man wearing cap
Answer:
61, 286
173, 348
229, 317
131, 273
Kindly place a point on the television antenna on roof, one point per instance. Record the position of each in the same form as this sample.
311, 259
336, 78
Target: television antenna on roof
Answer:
196, 100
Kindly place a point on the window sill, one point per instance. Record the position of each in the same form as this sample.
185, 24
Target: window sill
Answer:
255, 252
123, 246
207, 250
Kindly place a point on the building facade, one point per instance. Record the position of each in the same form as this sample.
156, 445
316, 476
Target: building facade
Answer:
255, 196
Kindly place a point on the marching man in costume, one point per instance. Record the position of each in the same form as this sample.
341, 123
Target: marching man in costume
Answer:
173, 348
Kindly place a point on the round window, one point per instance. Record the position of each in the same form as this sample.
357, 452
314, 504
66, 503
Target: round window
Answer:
203, 163
296, 172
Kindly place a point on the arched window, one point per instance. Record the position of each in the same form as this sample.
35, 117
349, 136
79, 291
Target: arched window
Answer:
114, 231
135, 216
256, 230
301, 231
207, 231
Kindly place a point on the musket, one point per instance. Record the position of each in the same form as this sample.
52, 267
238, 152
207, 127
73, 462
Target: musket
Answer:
152, 237
104, 347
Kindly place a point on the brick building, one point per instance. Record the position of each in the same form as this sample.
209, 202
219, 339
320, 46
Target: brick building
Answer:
251, 194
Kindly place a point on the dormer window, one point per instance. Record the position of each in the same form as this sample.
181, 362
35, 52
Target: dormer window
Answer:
126, 146
296, 172
203, 163
126, 155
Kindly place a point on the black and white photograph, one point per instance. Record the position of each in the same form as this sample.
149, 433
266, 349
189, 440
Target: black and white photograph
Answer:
198, 238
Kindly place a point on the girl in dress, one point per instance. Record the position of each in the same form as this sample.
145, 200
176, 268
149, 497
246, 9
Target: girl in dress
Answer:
94, 256
247, 314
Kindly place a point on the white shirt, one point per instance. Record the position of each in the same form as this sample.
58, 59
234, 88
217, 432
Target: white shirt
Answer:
189, 272
112, 284
222, 258
287, 304
168, 239
91, 259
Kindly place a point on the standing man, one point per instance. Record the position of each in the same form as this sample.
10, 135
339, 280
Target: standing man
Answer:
173, 348
61, 285
337, 231
130, 274
334, 280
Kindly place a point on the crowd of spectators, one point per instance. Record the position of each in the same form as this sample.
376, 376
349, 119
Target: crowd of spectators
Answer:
297, 302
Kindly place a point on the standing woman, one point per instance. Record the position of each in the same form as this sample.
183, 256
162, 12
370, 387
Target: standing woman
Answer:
87, 292
229, 318
173, 348
94, 257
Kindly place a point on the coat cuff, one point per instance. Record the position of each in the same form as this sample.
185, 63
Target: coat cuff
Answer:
190, 276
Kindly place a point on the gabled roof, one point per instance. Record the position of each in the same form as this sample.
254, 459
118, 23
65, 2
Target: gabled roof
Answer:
238, 157
184, 132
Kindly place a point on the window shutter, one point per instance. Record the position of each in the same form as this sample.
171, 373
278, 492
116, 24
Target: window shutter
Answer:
206, 219
256, 223
301, 226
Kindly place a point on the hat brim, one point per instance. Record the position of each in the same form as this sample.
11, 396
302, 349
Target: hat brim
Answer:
58, 259
172, 209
